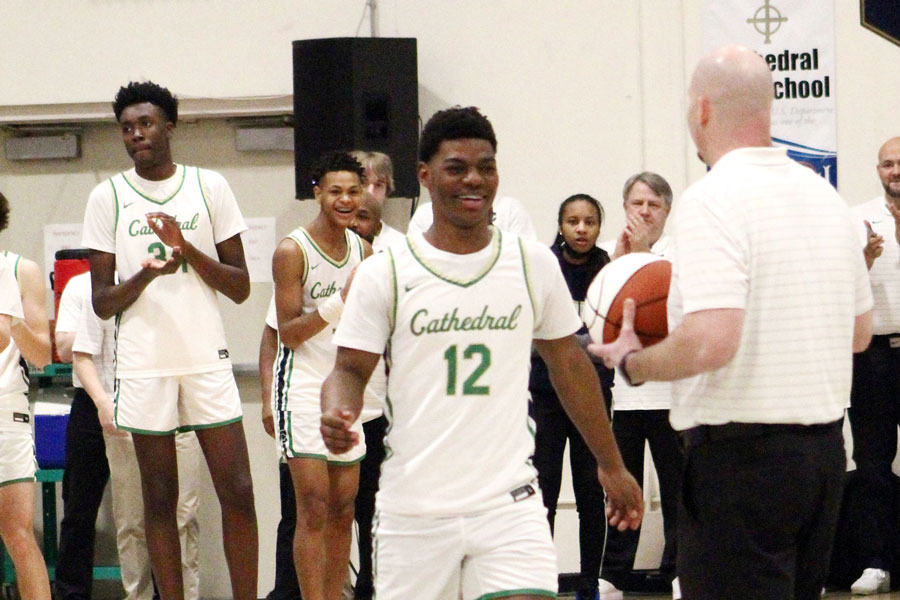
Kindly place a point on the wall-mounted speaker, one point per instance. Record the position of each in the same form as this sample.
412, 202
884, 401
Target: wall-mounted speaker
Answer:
356, 94
43, 147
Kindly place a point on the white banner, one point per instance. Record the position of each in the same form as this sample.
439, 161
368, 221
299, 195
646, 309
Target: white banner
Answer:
796, 38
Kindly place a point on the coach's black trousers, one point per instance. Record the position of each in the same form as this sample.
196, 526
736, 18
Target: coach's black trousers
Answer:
758, 511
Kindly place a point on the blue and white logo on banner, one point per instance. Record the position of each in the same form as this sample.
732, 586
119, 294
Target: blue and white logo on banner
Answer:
822, 162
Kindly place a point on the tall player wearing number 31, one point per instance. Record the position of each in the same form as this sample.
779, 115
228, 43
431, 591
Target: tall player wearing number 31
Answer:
459, 513
172, 234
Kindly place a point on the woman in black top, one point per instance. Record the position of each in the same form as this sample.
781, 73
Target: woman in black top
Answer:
580, 217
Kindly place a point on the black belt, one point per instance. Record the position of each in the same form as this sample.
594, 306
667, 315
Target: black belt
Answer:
884, 341
702, 434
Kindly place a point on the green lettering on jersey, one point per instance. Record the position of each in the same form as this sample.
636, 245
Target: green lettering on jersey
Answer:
421, 323
317, 290
139, 227
470, 385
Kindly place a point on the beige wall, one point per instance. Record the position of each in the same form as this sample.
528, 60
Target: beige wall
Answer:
582, 93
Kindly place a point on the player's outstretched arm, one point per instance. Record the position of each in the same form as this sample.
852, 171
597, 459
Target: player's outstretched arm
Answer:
268, 348
342, 397
227, 275
32, 335
578, 387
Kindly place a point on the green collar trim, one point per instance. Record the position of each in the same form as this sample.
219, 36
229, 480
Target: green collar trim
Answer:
496, 242
178, 168
322, 253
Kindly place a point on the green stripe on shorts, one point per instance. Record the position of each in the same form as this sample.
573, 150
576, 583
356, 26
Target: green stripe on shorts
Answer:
22, 480
522, 592
146, 431
186, 428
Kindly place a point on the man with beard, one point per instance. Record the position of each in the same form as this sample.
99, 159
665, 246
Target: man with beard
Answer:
874, 413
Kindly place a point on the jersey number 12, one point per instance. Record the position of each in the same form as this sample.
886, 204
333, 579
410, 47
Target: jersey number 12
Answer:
469, 387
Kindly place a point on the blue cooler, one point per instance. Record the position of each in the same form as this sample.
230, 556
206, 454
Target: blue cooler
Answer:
50, 424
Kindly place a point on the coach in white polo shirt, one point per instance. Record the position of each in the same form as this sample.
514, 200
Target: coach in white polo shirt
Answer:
875, 401
769, 295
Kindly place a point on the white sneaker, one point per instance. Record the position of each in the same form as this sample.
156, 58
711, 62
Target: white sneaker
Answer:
676, 590
607, 591
872, 581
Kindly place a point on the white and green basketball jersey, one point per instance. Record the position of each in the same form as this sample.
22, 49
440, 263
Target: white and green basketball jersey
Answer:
174, 327
13, 375
460, 437
298, 374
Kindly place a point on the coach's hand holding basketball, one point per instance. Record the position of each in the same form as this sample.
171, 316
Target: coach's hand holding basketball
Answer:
614, 352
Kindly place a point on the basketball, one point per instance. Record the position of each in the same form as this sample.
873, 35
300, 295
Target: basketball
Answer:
641, 276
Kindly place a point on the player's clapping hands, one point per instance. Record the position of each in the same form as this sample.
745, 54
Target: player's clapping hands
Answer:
166, 229
163, 267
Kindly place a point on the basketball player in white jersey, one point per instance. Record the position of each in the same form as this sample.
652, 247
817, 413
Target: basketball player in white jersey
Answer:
173, 234
459, 513
25, 336
311, 269
31, 336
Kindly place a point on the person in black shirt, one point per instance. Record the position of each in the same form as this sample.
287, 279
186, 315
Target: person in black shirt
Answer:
580, 217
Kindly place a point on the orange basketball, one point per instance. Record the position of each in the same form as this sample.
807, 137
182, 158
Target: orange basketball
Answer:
643, 277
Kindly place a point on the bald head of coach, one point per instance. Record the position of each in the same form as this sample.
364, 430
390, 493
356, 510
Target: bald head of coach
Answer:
769, 298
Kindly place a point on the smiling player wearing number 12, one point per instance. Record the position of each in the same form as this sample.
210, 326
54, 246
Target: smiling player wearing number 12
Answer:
459, 512
172, 234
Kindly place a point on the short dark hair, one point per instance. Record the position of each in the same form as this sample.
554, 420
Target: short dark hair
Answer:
137, 92
455, 123
4, 212
335, 161
559, 240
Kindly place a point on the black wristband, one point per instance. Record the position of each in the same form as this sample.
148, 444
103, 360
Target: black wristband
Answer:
623, 370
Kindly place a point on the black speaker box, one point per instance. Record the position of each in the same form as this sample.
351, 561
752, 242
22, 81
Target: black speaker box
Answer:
356, 94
